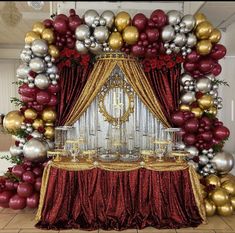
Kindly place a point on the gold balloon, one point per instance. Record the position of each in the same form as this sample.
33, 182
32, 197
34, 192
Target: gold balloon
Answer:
204, 193
219, 196
213, 179
48, 35
203, 30
205, 102
30, 37
229, 186
49, 132
225, 210
204, 47
210, 208
38, 27
215, 36
199, 17
49, 115
197, 112
122, 20
53, 51
12, 121
30, 114
184, 107
213, 110
49, 124
38, 123
115, 41
130, 35
232, 199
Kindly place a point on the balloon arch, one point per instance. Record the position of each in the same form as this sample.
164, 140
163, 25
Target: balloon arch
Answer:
158, 42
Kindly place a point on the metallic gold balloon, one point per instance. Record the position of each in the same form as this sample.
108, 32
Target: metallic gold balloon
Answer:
197, 111
232, 200
30, 114
203, 30
130, 35
215, 36
38, 123
122, 20
49, 124
213, 110
210, 208
49, 132
184, 107
30, 37
48, 35
53, 51
205, 102
204, 47
199, 17
38, 27
225, 210
12, 121
229, 186
213, 179
204, 193
49, 115
219, 196
115, 40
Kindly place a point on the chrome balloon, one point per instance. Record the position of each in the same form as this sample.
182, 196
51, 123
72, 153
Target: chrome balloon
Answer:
192, 150
22, 71
174, 17
80, 47
52, 70
37, 65
41, 81
36, 134
180, 39
101, 34
39, 47
203, 85
191, 40
97, 49
168, 33
189, 22
15, 150
203, 160
90, 16
82, 32
188, 97
109, 18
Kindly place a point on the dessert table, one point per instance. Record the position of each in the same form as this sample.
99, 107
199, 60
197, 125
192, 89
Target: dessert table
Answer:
117, 195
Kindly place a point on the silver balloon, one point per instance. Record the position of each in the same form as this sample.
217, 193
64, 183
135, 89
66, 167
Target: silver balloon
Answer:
82, 32
98, 49
39, 47
22, 71
41, 81
180, 39
35, 150
36, 134
203, 159
109, 18
188, 97
90, 16
37, 65
101, 34
223, 162
191, 40
176, 49
24, 56
52, 70
203, 85
189, 22
80, 47
174, 17
168, 33
210, 155
192, 150
15, 150
206, 170
184, 78
51, 144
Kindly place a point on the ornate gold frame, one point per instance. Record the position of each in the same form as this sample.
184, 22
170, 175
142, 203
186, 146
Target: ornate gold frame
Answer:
116, 82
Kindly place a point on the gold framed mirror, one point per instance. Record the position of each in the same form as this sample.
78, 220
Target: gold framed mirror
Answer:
120, 111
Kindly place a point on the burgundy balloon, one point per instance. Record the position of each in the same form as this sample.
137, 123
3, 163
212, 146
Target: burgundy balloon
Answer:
218, 51
38, 107
74, 22
26, 91
32, 201
143, 36
207, 136
18, 170
191, 125
216, 69
16, 185
53, 101
206, 65
152, 34
206, 120
193, 56
25, 189
151, 24
48, 23
145, 43
53, 88
62, 16
38, 184
189, 66
71, 44
181, 133
189, 139
221, 132
178, 118
60, 25
9, 185
37, 171
5, 196
29, 177
140, 21
159, 18
137, 50
72, 12
17, 202
43, 97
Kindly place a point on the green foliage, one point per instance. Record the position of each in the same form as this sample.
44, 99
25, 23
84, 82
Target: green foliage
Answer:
17, 102
219, 147
21, 133
12, 159
220, 82
12, 177
18, 82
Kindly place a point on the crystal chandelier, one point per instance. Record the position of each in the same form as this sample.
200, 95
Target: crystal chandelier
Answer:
36, 5
10, 14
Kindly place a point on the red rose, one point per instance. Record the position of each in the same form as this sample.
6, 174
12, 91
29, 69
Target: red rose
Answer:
17, 143
32, 74
199, 95
167, 57
41, 129
179, 59
170, 64
210, 188
28, 121
68, 63
29, 137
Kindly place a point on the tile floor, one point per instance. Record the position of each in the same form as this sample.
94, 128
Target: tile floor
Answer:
22, 221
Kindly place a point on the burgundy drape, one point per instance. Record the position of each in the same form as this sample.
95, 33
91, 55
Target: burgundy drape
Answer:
97, 198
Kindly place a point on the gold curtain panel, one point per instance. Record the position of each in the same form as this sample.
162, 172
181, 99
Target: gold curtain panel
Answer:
135, 76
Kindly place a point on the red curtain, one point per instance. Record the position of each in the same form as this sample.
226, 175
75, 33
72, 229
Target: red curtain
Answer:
74, 70
96, 198
163, 74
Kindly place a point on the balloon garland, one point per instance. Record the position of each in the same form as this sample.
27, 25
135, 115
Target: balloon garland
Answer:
192, 37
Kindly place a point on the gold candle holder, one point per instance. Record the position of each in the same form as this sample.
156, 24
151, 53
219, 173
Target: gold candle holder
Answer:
56, 154
179, 156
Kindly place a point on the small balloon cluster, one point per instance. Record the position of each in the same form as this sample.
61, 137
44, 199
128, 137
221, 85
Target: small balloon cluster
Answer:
219, 195
21, 187
178, 35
